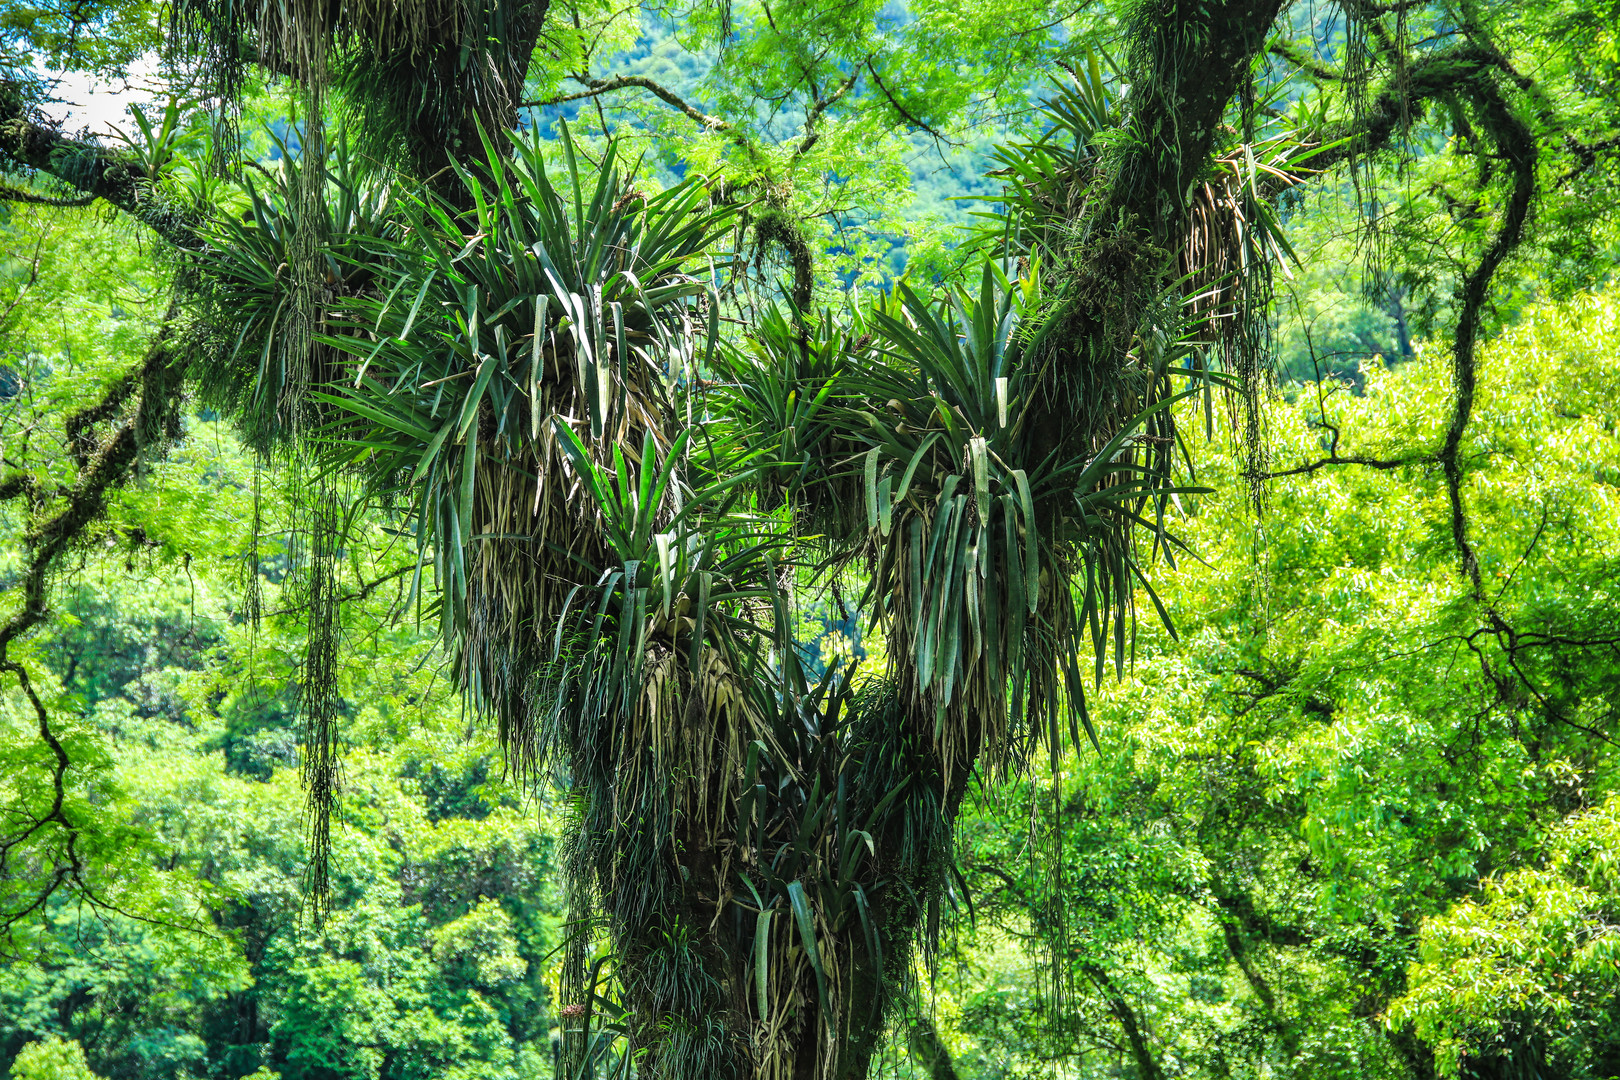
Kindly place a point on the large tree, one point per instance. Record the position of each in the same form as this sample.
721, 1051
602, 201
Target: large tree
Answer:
515, 348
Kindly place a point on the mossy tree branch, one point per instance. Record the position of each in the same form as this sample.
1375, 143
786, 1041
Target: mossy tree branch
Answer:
1518, 147
12, 193
1187, 63
150, 427
1401, 102
97, 172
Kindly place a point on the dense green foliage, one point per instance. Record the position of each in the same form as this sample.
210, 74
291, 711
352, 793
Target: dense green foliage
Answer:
491, 595
1332, 830
197, 951
1275, 858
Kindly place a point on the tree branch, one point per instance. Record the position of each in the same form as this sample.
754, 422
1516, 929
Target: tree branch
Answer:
1336, 459
925, 1046
597, 87
1232, 932
363, 592
811, 135
901, 109
96, 171
1187, 63
8, 193
154, 422
1400, 102
1305, 62
1518, 146
1586, 155
1147, 1067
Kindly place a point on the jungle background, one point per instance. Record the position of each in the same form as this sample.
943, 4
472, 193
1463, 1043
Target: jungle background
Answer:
1320, 834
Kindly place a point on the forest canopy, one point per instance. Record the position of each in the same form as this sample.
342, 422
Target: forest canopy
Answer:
810, 541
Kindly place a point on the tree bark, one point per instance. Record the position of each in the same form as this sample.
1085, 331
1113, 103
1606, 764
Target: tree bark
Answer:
1187, 62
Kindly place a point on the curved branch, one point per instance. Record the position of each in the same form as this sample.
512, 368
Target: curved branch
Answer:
1516, 144
1586, 156
8, 193
1401, 102
1232, 932
1147, 1067
154, 418
821, 105
1336, 459
1305, 62
598, 87
904, 113
924, 1043
154, 422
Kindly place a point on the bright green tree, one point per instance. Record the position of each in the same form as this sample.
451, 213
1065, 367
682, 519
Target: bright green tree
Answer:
1338, 829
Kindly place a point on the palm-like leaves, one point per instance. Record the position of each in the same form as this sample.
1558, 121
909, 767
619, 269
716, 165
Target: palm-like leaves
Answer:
994, 547
1047, 180
778, 389
1236, 236
259, 367
514, 391
502, 339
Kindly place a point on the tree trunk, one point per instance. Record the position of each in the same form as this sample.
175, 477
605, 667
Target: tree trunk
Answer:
1188, 61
